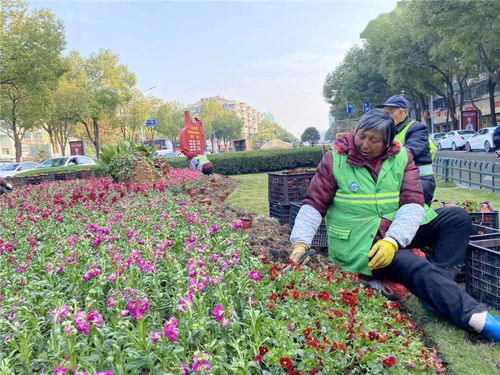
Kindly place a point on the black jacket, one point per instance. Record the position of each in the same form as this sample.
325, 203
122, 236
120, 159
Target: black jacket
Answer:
417, 141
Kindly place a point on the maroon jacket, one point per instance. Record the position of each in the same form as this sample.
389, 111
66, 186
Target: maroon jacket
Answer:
323, 187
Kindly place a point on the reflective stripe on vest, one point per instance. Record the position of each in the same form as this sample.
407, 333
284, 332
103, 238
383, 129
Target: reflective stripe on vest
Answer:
202, 158
381, 198
424, 170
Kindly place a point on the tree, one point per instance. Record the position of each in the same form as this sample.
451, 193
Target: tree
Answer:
330, 134
474, 42
108, 85
311, 134
170, 118
68, 102
31, 42
226, 127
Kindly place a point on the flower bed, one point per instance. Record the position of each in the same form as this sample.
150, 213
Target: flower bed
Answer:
104, 278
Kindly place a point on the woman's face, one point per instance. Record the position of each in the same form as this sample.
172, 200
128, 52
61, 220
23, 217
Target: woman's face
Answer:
369, 143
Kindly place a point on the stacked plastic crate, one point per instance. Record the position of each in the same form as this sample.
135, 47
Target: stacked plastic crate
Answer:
285, 188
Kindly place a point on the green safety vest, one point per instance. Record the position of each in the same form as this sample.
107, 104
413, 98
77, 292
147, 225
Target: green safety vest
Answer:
424, 170
358, 207
202, 158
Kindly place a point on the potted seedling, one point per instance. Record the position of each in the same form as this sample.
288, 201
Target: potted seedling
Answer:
247, 221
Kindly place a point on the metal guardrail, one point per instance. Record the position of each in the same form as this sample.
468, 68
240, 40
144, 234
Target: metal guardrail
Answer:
477, 173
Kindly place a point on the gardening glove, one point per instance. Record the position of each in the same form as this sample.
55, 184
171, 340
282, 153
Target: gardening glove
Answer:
299, 249
382, 253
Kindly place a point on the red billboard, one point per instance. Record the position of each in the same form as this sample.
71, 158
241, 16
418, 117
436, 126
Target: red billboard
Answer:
76, 148
191, 136
469, 120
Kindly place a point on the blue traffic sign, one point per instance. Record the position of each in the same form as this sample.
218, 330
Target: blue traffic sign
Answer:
366, 107
350, 108
151, 122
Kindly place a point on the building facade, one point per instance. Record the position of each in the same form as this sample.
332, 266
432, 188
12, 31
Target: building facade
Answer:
469, 117
249, 115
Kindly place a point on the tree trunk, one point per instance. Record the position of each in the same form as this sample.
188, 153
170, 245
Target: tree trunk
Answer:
425, 107
95, 124
451, 102
491, 91
18, 147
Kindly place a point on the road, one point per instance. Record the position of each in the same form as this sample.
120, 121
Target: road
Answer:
475, 155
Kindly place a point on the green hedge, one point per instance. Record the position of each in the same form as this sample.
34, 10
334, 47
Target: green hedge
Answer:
49, 170
232, 163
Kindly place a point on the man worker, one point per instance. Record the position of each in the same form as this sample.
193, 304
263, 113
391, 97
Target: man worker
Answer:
198, 162
415, 137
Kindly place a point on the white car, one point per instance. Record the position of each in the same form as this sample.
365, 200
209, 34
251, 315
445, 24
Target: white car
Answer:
15, 168
455, 139
482, 140
436, 137
66, 161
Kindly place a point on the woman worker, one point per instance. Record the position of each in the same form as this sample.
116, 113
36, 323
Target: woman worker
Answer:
368, 188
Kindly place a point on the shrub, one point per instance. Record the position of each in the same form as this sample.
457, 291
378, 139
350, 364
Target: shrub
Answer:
233, 163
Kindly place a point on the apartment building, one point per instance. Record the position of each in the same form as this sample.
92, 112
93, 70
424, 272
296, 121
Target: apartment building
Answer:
248, 114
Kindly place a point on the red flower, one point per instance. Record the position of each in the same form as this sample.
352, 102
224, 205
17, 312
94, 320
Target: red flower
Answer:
295, 294
294, 373
274, 272
316, 370
389, 361
286, 363
349, 299
372, 335
324, 295
262, 352
307, 331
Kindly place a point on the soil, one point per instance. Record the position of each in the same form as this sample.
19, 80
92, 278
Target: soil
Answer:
267, 237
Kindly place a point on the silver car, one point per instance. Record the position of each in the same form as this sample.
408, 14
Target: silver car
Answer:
14, 168
66, 161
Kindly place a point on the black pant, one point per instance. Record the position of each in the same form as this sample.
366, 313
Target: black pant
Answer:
207, 171
432, 280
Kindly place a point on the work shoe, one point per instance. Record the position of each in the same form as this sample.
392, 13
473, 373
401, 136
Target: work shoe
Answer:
491, 329
390, 289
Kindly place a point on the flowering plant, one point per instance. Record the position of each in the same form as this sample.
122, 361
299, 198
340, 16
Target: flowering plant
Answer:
103, 278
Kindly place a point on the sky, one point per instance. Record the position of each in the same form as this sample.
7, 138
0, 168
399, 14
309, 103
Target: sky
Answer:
273, 56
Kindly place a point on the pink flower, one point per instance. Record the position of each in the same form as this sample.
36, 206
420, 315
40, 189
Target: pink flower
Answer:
95, 317
137, 308
104, 373
155, 336
237, 224
80, 322
59, 370
60, 313
214, 229
169, 329
218, 313
184, 369
201, 366
254, 275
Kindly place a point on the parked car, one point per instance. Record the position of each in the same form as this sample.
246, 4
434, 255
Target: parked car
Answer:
455, 139
168, 153
435, 137
15, 168
481, 140
65, 161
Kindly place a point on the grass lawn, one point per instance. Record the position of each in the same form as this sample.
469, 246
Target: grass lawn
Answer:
462, 356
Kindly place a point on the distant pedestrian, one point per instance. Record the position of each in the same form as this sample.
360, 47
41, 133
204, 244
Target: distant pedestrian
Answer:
415, 137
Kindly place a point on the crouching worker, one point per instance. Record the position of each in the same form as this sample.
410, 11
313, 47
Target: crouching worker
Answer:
199, 162
368, 188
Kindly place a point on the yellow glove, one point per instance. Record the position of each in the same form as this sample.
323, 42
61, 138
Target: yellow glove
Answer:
382, 253
299, 249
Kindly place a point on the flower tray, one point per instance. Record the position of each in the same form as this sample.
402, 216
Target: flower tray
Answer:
487, 215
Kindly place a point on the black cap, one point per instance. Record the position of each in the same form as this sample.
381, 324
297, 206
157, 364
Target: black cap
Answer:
396, 101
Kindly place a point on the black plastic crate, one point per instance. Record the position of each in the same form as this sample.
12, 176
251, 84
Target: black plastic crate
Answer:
487, 219
482, 272
280, 211
287, 187
480, 231
320, 239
